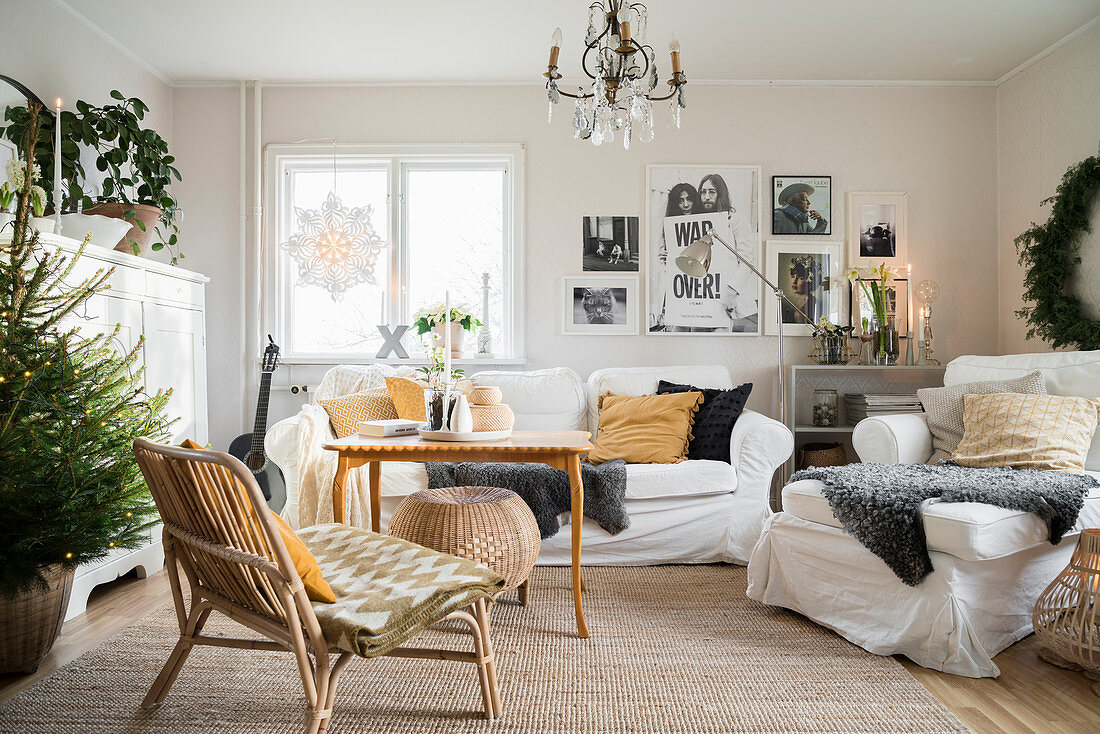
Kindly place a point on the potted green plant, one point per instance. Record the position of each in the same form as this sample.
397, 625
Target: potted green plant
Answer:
432, 318
70, 409
138, 166
884, 335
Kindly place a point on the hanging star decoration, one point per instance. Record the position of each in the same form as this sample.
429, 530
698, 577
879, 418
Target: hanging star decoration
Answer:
335, 247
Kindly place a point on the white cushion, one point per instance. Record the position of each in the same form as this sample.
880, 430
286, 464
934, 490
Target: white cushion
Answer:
637, 381
543, 400
972, 531
1074, 374
686, 479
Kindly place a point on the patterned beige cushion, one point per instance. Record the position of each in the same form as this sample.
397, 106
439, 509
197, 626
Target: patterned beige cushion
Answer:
370, 405
388, 589
943, 407
1027, 431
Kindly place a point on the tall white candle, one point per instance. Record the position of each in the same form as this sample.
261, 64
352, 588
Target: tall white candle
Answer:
909, 299
446, 337
57, 166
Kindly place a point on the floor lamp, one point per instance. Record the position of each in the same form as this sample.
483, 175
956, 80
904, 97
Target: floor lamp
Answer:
694, 260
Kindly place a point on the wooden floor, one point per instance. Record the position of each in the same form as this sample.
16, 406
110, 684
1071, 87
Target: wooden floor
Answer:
1030, 695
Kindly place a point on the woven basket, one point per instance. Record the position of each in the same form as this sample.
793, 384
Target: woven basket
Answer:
1067, 613
489, 525
30, 622
486, 395
492, 417
822, 454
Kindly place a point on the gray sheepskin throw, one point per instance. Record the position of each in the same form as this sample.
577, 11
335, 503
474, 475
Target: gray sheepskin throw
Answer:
879, 504
545, 489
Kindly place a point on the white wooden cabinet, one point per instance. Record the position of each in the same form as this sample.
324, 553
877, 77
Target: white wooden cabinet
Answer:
166, 304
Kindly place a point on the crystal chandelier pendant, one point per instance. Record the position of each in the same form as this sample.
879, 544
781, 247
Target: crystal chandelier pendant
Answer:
623, 69
335, 247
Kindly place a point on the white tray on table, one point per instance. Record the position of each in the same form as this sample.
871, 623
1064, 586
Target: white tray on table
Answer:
464, 436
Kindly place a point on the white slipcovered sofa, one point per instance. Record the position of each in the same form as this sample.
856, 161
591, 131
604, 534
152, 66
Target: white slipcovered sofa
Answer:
692, 512
990, 564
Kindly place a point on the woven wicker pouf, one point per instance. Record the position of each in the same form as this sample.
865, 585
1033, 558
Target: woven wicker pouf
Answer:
486, 524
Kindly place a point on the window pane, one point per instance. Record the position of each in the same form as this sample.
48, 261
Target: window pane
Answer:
455, 234
317, 324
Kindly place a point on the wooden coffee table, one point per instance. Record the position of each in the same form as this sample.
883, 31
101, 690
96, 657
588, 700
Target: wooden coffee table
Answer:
560, 449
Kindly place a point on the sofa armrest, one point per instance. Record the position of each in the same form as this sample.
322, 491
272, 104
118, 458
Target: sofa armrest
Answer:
758, 446
893, 439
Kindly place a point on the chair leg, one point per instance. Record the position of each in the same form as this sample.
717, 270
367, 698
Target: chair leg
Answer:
524, 590
481, 614
330, 695
163, 683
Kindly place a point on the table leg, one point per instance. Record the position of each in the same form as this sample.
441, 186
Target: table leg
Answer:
340, 489
374, 471
576, 491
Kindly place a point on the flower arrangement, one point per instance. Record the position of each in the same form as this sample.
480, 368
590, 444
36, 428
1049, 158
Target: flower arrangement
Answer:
17, 177
435, 371
831, 342
873, 284
435, 315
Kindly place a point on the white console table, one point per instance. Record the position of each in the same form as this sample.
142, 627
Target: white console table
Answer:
853, 378
167, 305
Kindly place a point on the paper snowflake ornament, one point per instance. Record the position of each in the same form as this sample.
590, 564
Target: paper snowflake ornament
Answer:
335, 247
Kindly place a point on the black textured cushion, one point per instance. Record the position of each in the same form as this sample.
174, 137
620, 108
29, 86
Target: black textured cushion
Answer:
715, 419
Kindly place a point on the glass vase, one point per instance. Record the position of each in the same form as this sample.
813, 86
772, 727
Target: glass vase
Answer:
438, 402
885, 344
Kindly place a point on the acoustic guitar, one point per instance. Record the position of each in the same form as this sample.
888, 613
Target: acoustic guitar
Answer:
249, 447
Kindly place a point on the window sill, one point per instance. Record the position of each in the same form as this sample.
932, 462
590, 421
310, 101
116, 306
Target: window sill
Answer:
302, 361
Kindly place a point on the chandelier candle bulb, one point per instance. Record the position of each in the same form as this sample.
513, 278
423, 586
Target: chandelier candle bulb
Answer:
555, 47
674, 51
624, 17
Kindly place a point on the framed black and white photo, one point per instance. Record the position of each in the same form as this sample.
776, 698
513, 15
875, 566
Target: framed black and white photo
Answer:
897, 305
878, 228
683, 203
809, 274
610, 244
802, 205
599, 305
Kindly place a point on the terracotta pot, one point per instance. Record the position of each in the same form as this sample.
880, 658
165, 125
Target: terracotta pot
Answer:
149, 215
458, 336
29, 623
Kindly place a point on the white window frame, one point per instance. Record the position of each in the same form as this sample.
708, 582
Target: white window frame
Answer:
398, 160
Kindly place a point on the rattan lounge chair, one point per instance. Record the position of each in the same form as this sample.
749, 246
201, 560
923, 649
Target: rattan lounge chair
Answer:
217, 527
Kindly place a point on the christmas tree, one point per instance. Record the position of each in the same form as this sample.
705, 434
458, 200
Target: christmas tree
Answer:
70, 408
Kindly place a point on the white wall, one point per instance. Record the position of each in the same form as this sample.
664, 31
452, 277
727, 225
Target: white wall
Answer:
54, 55
1048, 119
937, 143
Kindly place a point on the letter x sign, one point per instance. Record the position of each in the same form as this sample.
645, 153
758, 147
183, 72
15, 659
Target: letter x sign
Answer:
392, 342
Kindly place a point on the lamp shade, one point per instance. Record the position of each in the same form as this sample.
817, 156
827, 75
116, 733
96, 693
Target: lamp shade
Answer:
694, 260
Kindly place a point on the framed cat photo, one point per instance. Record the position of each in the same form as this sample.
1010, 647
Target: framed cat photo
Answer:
599, 305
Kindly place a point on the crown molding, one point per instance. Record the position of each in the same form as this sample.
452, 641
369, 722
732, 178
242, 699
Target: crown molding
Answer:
111, 40
537, 83
1068, 38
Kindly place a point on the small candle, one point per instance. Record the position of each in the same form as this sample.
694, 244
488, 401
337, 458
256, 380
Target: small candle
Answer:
446, 337
674, 52
909, 297
57, 166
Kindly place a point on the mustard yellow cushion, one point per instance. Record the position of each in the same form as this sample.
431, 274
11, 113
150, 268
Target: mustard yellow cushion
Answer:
317, 589
370, 405
1027, 431
651, 429
408, 397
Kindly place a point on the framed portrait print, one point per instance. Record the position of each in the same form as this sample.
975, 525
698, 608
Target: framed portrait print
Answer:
610, 244
898, 305
602, 305
684, 203
802, 205
878, 228
809, 274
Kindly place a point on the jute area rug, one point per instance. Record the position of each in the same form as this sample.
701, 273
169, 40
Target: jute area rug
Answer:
673, 649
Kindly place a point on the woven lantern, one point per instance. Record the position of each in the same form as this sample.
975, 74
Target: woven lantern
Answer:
1067, 614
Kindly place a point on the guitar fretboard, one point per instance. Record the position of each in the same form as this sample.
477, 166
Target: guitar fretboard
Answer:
260, 426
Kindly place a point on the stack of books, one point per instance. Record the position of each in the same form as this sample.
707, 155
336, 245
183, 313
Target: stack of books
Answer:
864, 405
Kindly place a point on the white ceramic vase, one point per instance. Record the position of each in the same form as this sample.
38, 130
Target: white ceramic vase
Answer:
458, 336
462, 420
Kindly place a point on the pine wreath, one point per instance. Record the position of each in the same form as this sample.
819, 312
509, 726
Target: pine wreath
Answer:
1050, 254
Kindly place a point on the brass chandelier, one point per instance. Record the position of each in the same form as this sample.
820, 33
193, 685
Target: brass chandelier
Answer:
624, 75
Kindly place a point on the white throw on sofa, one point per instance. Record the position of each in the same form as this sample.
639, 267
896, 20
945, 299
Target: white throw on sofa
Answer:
692, 512
990, 564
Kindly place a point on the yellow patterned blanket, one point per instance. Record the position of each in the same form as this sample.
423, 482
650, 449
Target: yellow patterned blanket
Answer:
388, 589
